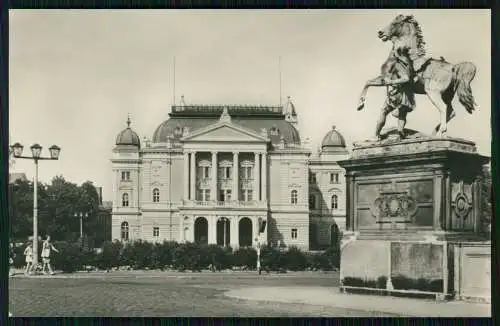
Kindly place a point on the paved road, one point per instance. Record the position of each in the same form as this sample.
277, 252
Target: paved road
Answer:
332, 297
165, 294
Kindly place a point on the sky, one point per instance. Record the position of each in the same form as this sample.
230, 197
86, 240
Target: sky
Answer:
75, 75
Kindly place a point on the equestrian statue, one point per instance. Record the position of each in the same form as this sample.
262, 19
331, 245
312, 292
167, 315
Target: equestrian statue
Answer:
408, 71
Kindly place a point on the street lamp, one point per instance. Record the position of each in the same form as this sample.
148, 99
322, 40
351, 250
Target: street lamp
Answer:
36, 151
81, 216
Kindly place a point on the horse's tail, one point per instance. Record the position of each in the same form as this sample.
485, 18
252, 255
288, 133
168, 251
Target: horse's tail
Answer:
464, 73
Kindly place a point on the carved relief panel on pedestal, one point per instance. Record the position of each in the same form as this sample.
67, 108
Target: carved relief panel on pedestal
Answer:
462, 194
400, 202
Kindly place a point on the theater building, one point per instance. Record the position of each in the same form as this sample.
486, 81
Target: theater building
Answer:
212, 174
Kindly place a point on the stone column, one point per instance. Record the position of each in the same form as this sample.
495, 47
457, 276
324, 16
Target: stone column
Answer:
438, 200
212, 229
236, 183
186, 176
181, 229
193, 176
447, 201
235, 235
213, 190
350, 203
479, 224
256, 176
264, 176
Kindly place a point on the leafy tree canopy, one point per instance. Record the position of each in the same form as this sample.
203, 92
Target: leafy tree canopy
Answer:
57, 204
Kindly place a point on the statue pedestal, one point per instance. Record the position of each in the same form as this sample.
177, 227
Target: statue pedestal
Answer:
410, 204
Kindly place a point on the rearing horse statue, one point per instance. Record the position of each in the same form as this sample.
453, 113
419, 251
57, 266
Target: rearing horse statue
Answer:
439, 79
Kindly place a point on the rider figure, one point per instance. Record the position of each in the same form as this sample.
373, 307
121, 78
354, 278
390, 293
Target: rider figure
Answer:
400, 96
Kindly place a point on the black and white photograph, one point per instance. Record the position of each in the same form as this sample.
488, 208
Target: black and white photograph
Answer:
249, 163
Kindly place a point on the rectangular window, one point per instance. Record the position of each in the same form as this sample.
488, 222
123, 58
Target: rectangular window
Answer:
249, 195
294, 233
227, 173
248, 172
312, 178
125, 175
334, 178
206, 172
224, 195
156, 232
207, 194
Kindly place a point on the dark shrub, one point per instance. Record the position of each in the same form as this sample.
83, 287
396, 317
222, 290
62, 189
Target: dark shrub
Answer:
400, 282
18, 257
137, 254
161, 254
245, 257
70, 258
293, 259
110, 255
271, 258
318, 261
332, 255
382, 282
358, 282
218, 257
187, 256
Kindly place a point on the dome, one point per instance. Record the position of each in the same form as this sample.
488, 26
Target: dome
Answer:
128, 137
333, 140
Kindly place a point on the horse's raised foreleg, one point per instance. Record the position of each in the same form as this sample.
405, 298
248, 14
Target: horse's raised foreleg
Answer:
378, 81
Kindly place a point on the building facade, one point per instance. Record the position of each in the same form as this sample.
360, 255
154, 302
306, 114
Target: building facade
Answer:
213, 174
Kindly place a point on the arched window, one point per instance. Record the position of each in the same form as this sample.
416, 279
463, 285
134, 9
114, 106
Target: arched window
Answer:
125, 200
156, 195
293, 197
124, 231
335, 202
312, 201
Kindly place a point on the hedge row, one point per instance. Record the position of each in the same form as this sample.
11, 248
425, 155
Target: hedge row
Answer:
187, 256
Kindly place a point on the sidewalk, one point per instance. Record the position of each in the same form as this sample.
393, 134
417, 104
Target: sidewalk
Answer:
332, 297
170, 273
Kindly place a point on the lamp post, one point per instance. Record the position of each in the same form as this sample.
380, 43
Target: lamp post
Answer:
81, 216
258, 255
36, 151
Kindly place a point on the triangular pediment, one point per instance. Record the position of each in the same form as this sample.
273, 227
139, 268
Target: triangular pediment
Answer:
224, 131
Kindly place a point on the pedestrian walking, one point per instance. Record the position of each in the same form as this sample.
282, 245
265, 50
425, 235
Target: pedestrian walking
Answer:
47, 248
28, 254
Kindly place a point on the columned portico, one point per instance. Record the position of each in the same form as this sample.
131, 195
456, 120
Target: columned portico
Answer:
236, 183
212, 229
186, 176
264, 177
234, 240
257, 176
213, 191
193, 176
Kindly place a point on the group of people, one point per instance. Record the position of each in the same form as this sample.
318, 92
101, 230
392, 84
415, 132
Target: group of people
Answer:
47, 248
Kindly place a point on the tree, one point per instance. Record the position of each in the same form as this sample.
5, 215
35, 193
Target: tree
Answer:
21, 205
57, 204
